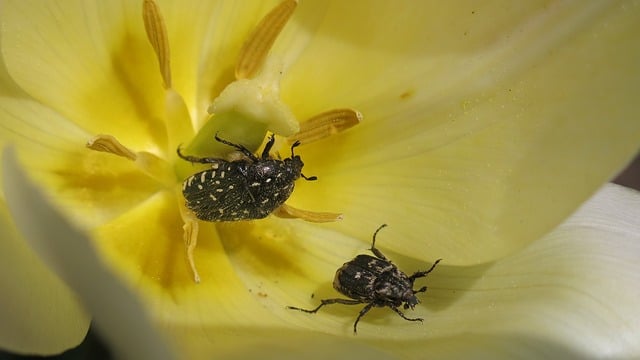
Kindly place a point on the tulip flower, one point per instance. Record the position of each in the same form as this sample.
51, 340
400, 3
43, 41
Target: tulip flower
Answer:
473, 130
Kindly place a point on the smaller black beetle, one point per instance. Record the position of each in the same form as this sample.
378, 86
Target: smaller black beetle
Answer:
245, 189
374, 281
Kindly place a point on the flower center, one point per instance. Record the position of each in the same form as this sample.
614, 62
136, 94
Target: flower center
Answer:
242, 115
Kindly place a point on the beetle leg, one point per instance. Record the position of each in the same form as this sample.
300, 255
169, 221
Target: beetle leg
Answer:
196, 159
240, 148
403, 316
327, 302
362, 312
268, 146
420, 274
293, 146
373, 249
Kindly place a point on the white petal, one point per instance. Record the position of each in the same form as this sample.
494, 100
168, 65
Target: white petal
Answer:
572, 293
577, 288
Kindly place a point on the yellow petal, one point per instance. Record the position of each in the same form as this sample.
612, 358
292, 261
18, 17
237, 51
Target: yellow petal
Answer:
8, 87
291, 263
145, 243
204, 319
146, 246
117, 313
276, 343
93, 187
573, 291
29, 293
28, 124
90, 62
477, 136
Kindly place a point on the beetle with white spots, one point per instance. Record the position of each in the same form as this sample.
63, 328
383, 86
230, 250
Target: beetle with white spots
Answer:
245, 189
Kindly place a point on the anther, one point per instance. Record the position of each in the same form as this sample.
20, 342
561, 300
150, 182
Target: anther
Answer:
258, 44
157, 34
326, 124
109, 144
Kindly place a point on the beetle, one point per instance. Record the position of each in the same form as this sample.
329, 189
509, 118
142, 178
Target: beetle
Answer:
244, 189
375, 281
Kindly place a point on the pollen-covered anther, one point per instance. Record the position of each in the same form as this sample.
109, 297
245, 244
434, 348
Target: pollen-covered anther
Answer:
258, 44
109, 144
326, 124
289, 212
156, 30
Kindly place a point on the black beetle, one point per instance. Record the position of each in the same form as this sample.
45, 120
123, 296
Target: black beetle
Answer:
374, 281
244, 189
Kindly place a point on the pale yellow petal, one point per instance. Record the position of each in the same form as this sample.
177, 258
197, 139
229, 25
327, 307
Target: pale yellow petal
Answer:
483, 346
206, 319
28, 124
116, 312
274, 343
283, 261
8, 87
89, 61
232, 313
477, 136
93, 187
574, 291
40, 314
146, 246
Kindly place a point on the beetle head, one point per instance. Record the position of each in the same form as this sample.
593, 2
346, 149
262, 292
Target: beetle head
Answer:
410, 300
296, 163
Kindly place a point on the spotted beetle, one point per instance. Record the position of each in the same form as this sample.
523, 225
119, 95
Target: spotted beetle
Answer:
374, 281
244, 189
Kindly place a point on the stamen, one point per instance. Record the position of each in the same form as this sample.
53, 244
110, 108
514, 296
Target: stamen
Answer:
289, 212
257, 46
326, 124
109, 144
149, 163
190, 235
157, 34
